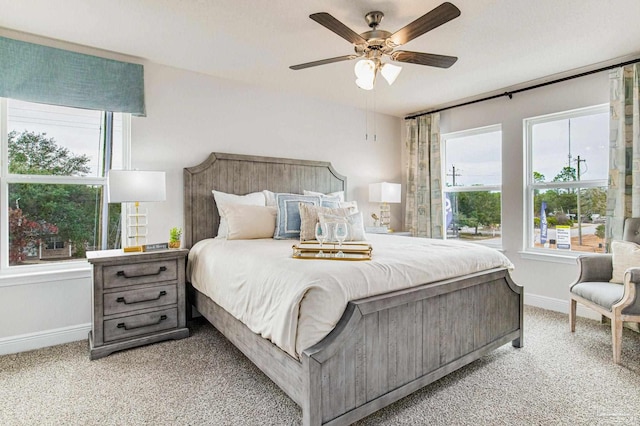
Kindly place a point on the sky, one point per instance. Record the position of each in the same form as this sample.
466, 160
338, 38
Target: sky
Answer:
589, 139
477, 159
76, 129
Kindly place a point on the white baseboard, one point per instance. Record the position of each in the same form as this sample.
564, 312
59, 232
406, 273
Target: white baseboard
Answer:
28, 342
558, 305
31, 341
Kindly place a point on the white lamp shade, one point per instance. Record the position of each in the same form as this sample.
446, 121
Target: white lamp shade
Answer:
128, 186
366, 84
385, 192
390, 72
365, 69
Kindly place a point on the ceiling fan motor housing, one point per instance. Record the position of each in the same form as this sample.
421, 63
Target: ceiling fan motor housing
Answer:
374, 18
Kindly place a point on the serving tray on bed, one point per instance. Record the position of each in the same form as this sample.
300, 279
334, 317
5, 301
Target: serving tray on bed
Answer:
350, 251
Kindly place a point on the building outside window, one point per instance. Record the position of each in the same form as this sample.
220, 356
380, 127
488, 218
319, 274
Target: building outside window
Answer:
567, 162
54, 161
472, 170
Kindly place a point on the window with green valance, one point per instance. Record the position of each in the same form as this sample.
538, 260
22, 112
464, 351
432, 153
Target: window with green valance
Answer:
36, 73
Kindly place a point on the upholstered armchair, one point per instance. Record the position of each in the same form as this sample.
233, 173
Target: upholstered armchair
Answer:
618, 301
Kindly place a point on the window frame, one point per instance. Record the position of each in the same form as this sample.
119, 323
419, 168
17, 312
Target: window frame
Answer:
474, 188
530, 186
6, 179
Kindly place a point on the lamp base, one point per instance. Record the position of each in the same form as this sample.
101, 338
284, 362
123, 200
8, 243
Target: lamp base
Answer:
132, 249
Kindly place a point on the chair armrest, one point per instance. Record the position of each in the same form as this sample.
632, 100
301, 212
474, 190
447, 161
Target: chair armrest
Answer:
630, 304
595, 268
632, 275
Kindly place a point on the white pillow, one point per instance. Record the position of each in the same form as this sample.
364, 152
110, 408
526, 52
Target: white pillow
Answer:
246, 222
222, 199
270, 197
625, 255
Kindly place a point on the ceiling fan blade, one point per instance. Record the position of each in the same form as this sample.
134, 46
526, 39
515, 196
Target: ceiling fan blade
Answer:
322, 62
337, 27
438, 16
430, 59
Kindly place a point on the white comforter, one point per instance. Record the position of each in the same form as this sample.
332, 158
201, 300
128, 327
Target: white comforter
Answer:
295, 303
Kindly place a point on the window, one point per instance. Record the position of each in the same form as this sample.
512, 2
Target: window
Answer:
53, 180
473, 178
567, 164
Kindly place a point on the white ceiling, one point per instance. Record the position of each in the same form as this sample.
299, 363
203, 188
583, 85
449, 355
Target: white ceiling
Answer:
499, 43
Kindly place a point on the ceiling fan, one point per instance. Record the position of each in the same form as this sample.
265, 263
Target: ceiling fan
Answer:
372, 46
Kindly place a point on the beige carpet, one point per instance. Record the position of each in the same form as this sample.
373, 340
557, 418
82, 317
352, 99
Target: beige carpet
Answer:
557, 378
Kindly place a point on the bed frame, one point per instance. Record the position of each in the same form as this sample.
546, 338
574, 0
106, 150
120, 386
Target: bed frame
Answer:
384, 347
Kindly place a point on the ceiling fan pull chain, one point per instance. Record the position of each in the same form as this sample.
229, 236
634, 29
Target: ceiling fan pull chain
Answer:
375, 129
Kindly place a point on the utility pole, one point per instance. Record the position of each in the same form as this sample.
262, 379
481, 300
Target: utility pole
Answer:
578, 161
453, 174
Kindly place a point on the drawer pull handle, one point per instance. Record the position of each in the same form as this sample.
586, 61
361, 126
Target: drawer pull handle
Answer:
123, 300
124, 274
123, 325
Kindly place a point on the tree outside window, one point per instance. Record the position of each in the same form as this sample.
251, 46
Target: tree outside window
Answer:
473, 178
55, 183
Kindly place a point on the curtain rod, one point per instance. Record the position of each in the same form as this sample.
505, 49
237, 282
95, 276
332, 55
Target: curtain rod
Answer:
535, 86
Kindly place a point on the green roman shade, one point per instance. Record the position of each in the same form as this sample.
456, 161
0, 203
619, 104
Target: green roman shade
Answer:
35, 73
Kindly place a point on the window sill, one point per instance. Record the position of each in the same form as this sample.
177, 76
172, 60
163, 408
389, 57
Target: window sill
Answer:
550, 256
38, 274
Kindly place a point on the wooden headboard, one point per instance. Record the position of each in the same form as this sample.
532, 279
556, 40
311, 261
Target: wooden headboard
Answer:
242, 174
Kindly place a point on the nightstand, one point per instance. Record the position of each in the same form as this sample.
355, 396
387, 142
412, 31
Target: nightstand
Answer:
138, 298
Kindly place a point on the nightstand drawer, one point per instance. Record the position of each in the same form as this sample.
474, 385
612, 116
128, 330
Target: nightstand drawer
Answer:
140, 273
130, 300
135, 325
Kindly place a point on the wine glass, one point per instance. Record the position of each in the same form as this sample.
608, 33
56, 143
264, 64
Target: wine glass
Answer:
321, 236
341, 232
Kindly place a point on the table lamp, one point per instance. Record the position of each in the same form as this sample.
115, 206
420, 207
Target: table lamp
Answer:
135, 186
385, 193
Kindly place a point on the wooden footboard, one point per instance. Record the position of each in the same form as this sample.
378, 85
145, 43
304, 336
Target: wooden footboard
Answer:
386, 347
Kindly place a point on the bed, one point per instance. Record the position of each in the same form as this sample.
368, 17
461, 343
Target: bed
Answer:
383, 347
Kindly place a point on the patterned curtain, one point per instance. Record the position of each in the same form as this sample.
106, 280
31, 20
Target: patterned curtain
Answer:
424, 187
623, 195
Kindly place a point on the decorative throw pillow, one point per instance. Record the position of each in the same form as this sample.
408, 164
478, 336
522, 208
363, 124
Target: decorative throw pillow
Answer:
309, 218
246, 222
222, 199
339, 194
625, 255
354, 221
353, 205
288, 216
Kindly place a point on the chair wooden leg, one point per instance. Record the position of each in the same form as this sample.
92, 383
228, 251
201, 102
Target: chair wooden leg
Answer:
572, 314
616, 331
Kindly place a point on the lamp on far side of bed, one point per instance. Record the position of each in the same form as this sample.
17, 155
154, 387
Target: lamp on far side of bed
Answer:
135, 186
385, 193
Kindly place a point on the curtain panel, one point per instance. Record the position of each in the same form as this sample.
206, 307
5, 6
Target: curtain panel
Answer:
623, 195
424, 181
35, 73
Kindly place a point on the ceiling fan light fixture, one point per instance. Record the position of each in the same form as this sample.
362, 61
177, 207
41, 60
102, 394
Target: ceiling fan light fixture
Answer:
390, 72
365, 83
365, 69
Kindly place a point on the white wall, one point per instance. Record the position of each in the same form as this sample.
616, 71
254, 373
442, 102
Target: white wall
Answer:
190, 115
546, 283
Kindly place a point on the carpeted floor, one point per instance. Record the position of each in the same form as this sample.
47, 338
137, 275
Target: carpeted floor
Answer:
557, 378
